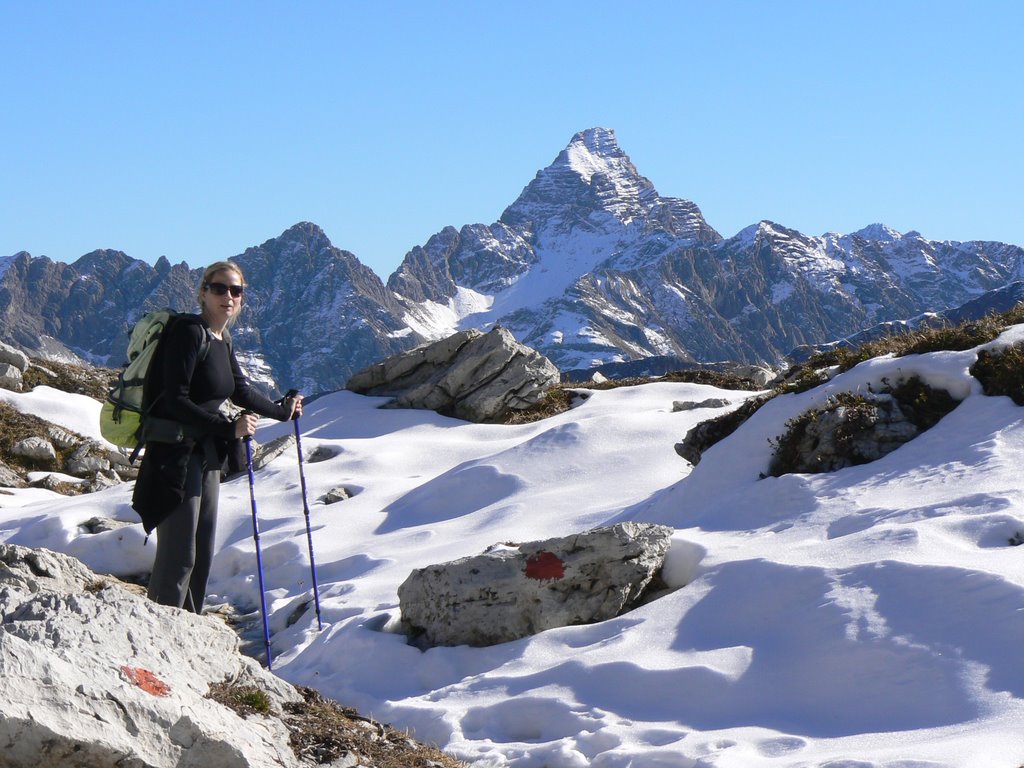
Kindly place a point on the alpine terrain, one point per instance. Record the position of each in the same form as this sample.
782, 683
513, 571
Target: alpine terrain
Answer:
590, 266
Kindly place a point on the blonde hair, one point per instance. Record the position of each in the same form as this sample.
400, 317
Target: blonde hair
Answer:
209, 272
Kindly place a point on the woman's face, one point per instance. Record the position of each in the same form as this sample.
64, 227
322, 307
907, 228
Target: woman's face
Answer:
219, 305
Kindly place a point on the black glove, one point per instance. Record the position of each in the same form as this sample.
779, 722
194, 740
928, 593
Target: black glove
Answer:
289, 395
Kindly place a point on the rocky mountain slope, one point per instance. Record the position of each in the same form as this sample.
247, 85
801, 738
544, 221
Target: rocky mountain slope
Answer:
314, 314
590, 266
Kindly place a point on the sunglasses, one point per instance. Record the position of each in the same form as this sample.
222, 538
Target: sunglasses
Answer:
219, 289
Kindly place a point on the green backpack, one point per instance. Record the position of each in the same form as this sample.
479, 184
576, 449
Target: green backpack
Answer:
125, 411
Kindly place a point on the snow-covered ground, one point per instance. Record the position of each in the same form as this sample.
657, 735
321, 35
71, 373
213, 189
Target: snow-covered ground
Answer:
868, 617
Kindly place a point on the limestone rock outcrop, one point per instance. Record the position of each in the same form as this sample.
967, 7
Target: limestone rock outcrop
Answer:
516, 591
469, 375
95, 675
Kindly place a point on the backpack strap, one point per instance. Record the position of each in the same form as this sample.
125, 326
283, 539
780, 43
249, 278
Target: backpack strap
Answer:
204, 347
156, 366
153, 428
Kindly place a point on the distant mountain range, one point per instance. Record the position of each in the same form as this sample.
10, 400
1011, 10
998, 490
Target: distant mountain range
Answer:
590, 265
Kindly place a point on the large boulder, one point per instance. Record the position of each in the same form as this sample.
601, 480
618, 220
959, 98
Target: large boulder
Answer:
95, 675
470, 375
516, 591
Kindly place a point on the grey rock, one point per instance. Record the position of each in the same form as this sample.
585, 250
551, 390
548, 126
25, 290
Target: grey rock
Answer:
840, 435
117, 458
339, 493
14, 357
95, 675
511, 592
35, 449
62, 438
102, 525
86, 465
48, 482
347, 760
10, 377
689, 405
323, 453
9, 478
128, 473
264, 454
88, 458
104, 479
759, 374
469, 375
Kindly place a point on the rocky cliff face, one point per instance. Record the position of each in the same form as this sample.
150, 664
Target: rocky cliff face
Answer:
84, 309
315, 313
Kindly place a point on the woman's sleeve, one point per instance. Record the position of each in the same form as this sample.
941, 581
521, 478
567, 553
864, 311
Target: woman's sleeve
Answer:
247, 397
179, 359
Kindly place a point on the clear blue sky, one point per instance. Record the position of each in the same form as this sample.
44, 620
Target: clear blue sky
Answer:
196, 129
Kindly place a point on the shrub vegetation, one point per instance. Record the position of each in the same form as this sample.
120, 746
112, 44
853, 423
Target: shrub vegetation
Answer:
922, 405
1000, 373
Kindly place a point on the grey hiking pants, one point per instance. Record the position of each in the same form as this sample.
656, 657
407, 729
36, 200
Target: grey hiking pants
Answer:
185, 542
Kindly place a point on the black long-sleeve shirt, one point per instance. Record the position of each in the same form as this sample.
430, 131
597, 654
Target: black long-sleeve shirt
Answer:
193, 389
190, 391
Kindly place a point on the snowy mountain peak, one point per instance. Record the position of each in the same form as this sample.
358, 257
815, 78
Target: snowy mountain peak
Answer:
879, 232
591, 174
601, 141
593, 180
596, 150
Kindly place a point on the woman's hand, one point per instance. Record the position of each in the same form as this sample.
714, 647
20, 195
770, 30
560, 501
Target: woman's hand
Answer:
294, 404
245, 425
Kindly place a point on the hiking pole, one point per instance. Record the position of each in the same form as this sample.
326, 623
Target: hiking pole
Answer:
305, 511
259, 556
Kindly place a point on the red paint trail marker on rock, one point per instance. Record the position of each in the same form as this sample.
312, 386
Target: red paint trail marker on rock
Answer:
146, 680
544, 566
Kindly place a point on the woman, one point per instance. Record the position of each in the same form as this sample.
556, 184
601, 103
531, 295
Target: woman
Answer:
179, 481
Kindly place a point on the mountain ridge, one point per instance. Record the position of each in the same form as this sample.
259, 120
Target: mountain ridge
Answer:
590, 265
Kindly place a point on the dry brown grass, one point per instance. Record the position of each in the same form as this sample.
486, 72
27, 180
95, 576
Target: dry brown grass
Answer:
556, 400
963, 336
15, 426
79, 380
322, 731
